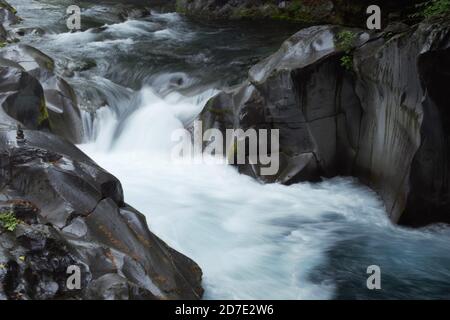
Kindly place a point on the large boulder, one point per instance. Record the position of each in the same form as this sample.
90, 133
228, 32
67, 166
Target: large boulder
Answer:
7, 14
8, 17
384, 121
72, 213
403, 149
22, 99
303, 91
60, 100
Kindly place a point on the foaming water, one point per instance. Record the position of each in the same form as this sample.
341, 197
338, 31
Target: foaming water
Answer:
253, 241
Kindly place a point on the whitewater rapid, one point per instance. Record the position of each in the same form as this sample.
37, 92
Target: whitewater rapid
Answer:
253, 241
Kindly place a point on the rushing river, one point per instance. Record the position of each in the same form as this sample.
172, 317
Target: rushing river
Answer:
139, 80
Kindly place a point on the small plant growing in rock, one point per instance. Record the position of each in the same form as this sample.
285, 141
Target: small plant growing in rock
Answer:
436, 8
431, 8
345, 41
347, 62
9, 221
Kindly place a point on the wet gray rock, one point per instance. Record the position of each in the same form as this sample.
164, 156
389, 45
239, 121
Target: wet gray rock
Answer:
23, 31
21, 98
59, 98
8, 18
404, 146
33, 263
133, 13
385, 121
72, 212
303, 91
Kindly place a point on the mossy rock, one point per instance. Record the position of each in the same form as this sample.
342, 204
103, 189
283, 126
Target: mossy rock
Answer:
43, 119
7, 6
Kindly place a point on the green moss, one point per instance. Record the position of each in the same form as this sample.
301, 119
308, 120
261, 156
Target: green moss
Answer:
436, 8
7, 6
247, 13
180, 7
345, 41
296, 11
9, 221
219, 111
347, 62
43, 112
430, 9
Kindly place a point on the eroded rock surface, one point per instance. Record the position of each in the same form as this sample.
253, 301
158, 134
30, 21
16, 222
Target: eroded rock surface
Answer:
72, 212
385, 121
59, 104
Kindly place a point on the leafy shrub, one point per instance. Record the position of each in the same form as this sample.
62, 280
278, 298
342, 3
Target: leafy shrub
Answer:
431, 8
347, 62
345, 41
9, 221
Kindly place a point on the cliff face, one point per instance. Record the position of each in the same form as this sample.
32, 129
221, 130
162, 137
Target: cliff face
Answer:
404, 143
58, 208
382, 117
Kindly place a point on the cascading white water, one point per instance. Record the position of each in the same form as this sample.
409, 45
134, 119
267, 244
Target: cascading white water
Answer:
253, 241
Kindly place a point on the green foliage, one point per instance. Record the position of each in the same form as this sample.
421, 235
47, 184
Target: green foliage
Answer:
436, 8
295, 5
9, 221
180, 7
43, 112
295, 11
347, 62
345, 41
431, 8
